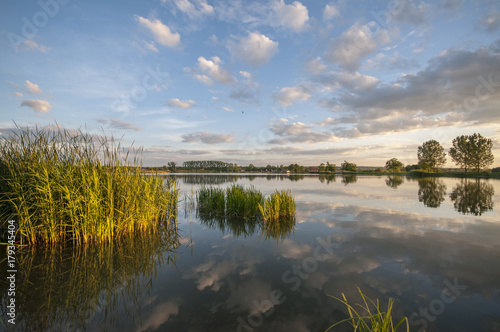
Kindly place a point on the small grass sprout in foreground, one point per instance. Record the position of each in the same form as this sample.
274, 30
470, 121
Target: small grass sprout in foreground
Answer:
370, 320
62, 186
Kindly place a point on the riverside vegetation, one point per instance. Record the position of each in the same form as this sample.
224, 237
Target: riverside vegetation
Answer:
247, 203
244, 210
61, 186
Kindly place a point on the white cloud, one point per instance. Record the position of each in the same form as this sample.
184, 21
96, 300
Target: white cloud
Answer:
491, 22
288, 95
151, 46
32, 87
175, 102
118, 124
18, 94
204, 79
227, 109
350, 48
37, 105
315, 66
207, 138
196, 10
408, 11
246, 74
160, 31
294, 16
34, 46
214, 71
330, 12
159, 315
254, 49
357, 81
297, 132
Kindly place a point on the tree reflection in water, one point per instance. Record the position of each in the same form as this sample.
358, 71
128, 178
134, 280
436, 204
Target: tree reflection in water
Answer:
327, 177
394, 181
473, 197
349, 178
431, 191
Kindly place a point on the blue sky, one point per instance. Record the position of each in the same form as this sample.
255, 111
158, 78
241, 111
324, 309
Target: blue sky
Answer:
262, 82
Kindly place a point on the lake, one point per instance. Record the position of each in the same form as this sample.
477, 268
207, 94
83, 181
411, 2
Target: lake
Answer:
432, 244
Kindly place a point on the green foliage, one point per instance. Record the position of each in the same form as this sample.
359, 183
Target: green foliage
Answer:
431, 155
349, 167
61, 186
208, 165
279, 204
409, 168
171, 166
332, 168
251, 168
211, 201
243, 202
369, 317
496, 170
394, 165
472, 151
296, 168
234, 202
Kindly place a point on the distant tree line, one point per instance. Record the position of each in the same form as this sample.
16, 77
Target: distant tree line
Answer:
209, 165
467, 151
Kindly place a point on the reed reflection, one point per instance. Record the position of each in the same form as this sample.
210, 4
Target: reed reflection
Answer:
68, 289
473, 197
431, 191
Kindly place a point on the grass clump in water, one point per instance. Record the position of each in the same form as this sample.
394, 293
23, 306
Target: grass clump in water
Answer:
61, 186
279, 204
243, 202
211, 201
370, 319
235, 201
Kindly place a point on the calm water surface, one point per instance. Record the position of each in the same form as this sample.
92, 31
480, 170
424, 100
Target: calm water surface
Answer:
432, 244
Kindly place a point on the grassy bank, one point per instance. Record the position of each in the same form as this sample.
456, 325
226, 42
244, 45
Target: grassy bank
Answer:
59, 186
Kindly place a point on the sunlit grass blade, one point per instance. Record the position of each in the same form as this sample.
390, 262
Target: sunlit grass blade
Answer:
371, 318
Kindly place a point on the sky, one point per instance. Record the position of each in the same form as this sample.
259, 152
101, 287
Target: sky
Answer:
263, 82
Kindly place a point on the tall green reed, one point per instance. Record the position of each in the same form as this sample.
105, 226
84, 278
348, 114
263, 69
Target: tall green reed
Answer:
279, 204
62, 186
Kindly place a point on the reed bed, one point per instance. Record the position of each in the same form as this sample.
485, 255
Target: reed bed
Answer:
62, 186
370, 317
242, 211
279, 204
235, 201
243, 202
